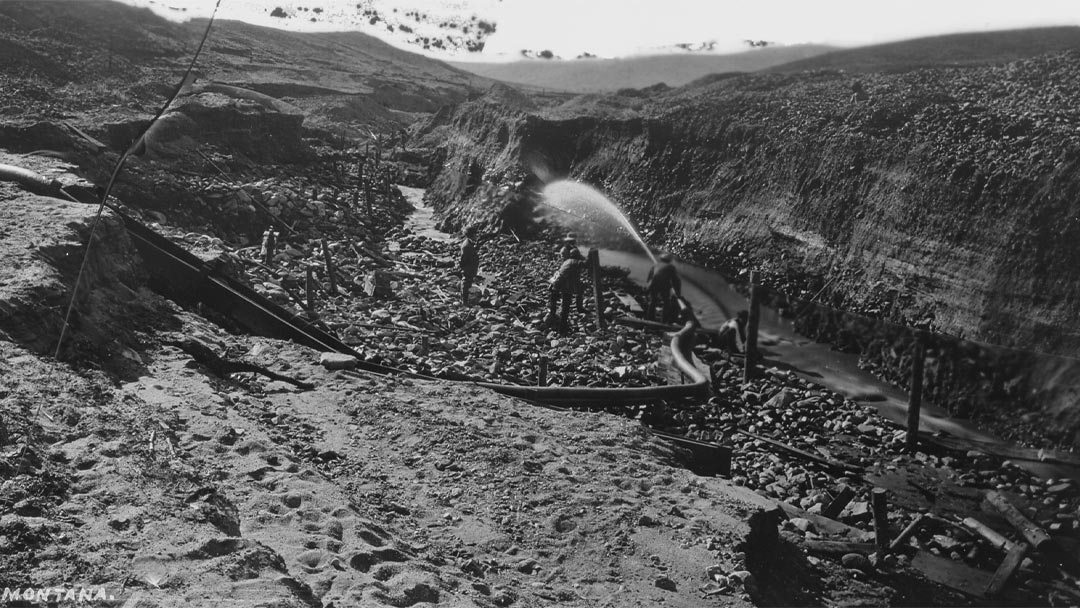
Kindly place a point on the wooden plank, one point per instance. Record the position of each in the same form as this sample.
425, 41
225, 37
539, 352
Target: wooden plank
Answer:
1028, 529
836, 506
954, 575
1006, 569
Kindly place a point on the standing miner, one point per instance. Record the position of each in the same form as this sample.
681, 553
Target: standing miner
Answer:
663, 280
469, 261
565, 284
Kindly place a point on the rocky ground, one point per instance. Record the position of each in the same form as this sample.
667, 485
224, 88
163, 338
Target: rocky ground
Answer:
129, 466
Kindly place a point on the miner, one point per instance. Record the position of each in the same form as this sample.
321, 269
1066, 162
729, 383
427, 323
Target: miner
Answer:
565, 284
469, 261
731, 337
663, 281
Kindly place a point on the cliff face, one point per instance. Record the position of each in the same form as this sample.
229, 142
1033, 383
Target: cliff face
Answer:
945, 195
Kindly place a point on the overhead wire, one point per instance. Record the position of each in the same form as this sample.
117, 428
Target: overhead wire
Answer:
135, 145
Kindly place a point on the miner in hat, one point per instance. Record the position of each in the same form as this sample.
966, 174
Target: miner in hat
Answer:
662, 283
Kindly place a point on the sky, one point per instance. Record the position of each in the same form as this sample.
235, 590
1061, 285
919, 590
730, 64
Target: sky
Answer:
616, 28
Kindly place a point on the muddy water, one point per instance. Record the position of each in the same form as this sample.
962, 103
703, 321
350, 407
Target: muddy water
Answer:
714, 302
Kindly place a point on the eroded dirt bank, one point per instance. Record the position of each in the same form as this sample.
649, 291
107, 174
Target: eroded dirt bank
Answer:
945, 199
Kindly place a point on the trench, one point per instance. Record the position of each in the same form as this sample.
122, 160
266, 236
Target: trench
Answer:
715, 301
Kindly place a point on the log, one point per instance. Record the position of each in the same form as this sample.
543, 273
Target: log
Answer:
836, 547
1031, 532
836, 506
1006, 569
988, 534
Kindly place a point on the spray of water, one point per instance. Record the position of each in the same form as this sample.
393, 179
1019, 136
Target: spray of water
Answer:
590, 215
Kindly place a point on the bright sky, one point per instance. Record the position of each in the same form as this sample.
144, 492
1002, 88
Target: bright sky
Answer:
610, 28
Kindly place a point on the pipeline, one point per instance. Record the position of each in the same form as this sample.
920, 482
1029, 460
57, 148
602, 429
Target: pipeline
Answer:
31, 180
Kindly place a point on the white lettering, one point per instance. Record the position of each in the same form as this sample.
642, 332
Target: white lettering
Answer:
9, 595
70, 595
42, 595
84, 595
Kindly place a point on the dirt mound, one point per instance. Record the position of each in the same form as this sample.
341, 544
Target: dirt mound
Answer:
43, 242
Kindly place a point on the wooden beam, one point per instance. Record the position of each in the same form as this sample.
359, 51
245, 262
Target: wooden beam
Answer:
1006, 569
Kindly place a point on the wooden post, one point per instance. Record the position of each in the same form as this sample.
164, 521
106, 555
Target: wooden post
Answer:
879, 500
425, 346
1028, 529
915, 395
329, 261
367, 198
541, 375
268, 245
1005, 570
598, 296
750, 361
310, 287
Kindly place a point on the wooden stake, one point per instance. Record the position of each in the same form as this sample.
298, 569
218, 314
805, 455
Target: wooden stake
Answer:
879, 500
310, 287
751, 331
329, 261
541, 376
915, 396
268, 245
1005, 570
598, 297
1028, 529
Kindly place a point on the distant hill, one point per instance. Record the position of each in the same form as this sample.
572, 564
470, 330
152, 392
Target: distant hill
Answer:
981, 48
97, 53
595, 75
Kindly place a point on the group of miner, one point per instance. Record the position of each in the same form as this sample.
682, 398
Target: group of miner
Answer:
566, 288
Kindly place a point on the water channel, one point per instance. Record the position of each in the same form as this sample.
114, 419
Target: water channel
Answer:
715, 301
